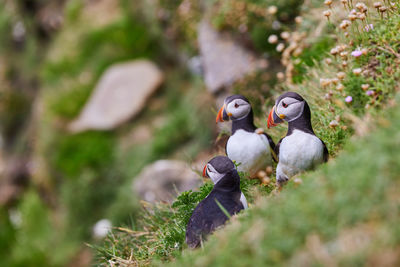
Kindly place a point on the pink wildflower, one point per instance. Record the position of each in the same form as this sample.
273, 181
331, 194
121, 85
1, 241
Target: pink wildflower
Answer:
356, 53
348, 99
369, 27
370, 93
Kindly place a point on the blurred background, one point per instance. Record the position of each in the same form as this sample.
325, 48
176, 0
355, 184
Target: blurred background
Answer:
106, 102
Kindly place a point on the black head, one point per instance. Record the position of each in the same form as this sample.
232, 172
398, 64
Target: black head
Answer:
236, 107
218, 167
292, 108
289, 95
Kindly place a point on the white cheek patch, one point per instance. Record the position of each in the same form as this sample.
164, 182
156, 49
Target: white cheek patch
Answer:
293, 111
297, 111
213, 174
238, 112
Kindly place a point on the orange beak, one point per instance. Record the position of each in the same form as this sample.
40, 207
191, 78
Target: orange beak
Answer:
220, 115
270, 121
205, 171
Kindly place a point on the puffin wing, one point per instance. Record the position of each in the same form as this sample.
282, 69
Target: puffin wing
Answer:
196, 227
272, 147
277, 148
326, 153
206, 217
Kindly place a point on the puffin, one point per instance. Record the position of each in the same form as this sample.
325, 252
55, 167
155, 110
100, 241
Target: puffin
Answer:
300, 149
216, 176
251, 148
208, 215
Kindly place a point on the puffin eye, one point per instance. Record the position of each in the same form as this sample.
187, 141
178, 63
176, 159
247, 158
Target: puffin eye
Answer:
284, 104
208, 169
236, 105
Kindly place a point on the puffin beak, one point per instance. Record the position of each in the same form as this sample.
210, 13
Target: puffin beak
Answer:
273, 119
205, 171
222, 115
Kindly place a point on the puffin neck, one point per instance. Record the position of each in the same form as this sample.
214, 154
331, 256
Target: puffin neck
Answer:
230, 182
302, 123
246, 123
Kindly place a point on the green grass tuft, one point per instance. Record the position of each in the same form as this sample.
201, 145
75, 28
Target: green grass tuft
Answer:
74, 153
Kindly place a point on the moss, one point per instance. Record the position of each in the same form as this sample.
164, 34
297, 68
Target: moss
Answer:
172, 135
7, 237
34, 233
68, 104
71, 154
97, 190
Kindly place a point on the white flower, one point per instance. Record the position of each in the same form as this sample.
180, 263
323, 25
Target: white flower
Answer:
101, 228
272, 10
272, 39
280, 47
357, 71
327, 13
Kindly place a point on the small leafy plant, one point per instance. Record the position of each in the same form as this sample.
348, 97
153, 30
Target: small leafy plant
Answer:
160, 234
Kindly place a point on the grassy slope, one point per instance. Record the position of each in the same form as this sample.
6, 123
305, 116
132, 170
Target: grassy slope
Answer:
305, 208
346, 212
352, 198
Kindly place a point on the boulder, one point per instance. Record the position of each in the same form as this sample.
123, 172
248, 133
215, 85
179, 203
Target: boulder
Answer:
224, 61
120, 94
163, 179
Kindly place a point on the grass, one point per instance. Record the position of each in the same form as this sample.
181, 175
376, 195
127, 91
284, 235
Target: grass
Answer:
90, 174
304, 228
298, 226
308, 224
74, 153
160, 232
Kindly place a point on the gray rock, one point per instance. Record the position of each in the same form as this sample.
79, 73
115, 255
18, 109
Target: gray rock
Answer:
195, 65
163, 179
120, 94
224, 61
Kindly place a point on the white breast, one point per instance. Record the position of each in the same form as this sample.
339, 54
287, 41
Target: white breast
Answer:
298, 152
244, 201
251, 150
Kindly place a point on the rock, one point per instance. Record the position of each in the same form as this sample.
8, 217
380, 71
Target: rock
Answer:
195, 65
161, 180
224, 61
120, 94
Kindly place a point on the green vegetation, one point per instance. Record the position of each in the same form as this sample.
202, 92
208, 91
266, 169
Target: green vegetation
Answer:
323, 220
160, 232
48, 74
88, 176
255, 19
267, 234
